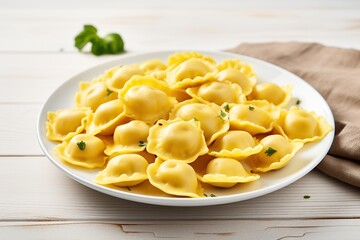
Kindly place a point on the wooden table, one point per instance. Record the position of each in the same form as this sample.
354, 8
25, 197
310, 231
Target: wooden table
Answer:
37, 201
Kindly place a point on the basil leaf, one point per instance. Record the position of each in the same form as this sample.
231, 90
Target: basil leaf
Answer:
111, 44
114, 43
98, 47
87, 35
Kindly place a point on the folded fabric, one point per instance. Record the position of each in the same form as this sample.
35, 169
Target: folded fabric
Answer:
335, 73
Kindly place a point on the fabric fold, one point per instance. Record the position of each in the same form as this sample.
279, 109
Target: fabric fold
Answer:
335, 74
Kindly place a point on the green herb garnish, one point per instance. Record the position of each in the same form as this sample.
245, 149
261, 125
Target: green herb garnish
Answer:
270, 151
298, 102
222, 115
142, 143
81, 145
227, 107
108, 92
211, 195
306, 197
112, 43
251, 108
195, 119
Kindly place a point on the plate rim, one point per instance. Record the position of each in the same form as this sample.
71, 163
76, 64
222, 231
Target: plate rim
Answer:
184, 202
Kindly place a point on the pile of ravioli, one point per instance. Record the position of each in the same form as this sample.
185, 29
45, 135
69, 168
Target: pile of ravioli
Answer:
181, 125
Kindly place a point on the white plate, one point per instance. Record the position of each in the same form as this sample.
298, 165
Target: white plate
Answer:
302, 163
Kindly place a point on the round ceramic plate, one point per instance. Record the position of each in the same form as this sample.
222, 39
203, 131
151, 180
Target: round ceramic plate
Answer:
302, 163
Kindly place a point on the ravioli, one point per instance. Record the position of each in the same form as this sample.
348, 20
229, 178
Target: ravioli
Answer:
271, 92
147, 99
241, 66
152, 66
300, 125
276, 153
129, 138
209, 116
218, 92
178, 58
93, 95
83, 150
125, 170
170, 127
235, 144
226, 172
180, 95
106, 75
192, 72
107, 117
251, 118
64, 124
155, 68
235, 76
174, 177
177, 139
122, 75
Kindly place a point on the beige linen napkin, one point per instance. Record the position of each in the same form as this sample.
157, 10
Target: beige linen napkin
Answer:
335, 73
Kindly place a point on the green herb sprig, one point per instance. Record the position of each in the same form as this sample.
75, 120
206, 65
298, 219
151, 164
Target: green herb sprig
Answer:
222, 115
112, 43
81, 145
270, 151
108, 92
142, 143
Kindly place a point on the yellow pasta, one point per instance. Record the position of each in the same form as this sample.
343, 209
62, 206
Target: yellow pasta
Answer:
236, 76
93, 95
122, 75
178, 127
177, 139
218, 92
189, 69
147, 99
235, 144
174, 177
276, 153
124, 170
226, 172
301, 125
107, 117
251, 118
83, 150
209, 116
279, 96
129, 137
64, 124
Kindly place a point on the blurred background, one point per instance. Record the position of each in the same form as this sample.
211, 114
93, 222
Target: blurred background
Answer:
187, 24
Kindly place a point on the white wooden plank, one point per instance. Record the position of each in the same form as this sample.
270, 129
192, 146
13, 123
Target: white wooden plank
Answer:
33, 189
33, 77
330, 229
18, 129
180, 27
199, 4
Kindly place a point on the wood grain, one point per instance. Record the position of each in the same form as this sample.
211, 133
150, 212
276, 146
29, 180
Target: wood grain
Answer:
18, 129
230, 229
37, 201
180, 27
47, 194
